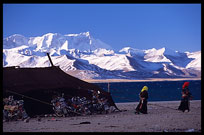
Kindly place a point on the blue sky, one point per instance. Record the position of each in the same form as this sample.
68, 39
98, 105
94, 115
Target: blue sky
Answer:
141, 26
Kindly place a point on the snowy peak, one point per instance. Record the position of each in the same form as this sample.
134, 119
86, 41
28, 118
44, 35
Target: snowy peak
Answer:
88, 57
87, 34
103, 52
47, 42
132, 52
196, 62
162, 51
154, 55
15, 40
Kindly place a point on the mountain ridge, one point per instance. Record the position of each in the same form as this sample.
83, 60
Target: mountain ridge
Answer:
91, 58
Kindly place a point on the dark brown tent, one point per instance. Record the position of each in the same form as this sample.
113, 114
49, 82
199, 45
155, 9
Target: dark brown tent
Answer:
40, 84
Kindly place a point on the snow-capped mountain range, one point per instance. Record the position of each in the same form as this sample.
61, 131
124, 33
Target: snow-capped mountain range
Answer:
87, 58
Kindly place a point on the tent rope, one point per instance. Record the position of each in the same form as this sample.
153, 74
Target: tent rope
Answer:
29, 97
38, 100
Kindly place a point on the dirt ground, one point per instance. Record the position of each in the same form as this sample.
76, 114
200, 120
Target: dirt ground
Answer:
161, 117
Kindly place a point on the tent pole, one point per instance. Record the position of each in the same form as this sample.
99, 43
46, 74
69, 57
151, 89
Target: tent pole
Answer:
50, 59
108, 87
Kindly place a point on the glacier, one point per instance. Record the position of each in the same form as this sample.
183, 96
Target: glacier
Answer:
85, 57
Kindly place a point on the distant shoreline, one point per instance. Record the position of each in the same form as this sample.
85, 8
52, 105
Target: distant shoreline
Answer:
141, 80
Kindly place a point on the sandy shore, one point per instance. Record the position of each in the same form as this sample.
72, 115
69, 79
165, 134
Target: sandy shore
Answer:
139, 80
161, 117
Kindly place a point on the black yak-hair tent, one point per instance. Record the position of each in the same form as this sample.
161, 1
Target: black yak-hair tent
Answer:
36, 86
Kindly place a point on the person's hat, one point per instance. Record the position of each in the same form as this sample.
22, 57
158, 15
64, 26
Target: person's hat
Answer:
186, 84
144, 88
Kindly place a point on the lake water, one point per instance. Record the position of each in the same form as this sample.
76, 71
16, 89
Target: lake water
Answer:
158, 91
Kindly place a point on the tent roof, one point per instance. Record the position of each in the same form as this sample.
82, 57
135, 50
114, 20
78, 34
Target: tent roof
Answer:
41, 83
30, 79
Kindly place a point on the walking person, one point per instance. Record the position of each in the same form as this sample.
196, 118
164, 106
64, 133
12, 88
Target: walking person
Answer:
186, 97
142, 106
